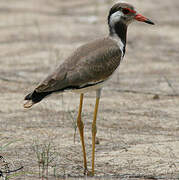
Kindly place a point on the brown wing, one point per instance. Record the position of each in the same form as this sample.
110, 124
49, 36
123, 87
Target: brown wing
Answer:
92, 63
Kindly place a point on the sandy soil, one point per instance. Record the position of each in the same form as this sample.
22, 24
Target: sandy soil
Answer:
138, 122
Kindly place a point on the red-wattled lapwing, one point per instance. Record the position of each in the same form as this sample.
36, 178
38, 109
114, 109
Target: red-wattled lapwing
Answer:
89, 67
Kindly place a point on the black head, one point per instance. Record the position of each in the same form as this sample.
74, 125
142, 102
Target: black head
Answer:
125, 13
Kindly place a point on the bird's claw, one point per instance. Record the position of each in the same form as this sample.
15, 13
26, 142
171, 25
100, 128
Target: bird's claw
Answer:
88, 173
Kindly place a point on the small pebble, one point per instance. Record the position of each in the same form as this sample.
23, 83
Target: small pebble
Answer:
156, 97
97, 141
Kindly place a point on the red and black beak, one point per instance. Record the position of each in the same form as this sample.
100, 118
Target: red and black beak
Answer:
139, 17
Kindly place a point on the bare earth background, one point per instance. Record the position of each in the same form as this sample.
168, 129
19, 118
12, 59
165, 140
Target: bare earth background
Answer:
138, 132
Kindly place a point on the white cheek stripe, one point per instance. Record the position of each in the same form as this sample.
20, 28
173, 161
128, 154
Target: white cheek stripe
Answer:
115, 17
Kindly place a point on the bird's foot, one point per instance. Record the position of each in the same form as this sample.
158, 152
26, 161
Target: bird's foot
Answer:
88, 173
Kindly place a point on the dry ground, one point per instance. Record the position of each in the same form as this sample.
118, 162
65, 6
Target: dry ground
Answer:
138, 132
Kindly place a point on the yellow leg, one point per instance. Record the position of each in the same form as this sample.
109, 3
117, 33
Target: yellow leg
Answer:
81, 127
94, 129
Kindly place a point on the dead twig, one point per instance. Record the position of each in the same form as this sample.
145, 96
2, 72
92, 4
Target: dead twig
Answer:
170, 84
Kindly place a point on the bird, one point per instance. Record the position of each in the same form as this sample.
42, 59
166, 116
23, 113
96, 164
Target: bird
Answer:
89, 67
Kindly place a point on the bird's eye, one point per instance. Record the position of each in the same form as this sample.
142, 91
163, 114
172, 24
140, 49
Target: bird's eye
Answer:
126, 11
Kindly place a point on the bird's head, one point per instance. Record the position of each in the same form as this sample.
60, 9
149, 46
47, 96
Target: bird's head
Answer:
125, 13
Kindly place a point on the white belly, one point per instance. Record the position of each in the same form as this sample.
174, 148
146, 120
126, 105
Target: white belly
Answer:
89, 88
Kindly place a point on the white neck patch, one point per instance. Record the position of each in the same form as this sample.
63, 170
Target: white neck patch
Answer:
115, 17
119, 43
121, 46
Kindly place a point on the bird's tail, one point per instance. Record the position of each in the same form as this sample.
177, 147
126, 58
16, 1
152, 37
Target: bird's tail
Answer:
34, 97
